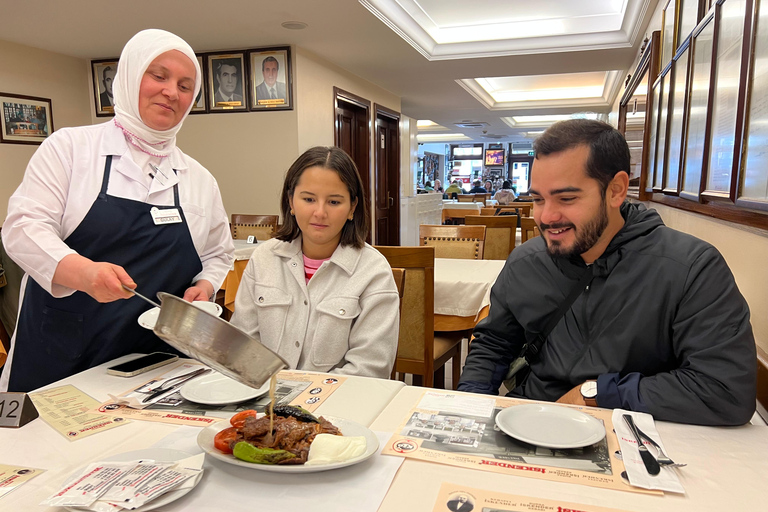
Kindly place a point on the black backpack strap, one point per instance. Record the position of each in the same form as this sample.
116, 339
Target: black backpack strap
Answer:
533, 347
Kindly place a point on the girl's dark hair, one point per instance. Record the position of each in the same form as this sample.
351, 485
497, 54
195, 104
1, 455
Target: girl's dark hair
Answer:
608, 150
334, 159
506, 185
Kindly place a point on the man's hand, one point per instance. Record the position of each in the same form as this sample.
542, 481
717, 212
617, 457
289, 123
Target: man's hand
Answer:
101, 280
572, 397
202, 290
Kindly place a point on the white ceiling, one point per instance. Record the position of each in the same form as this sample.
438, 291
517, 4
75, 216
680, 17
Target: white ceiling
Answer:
417, 49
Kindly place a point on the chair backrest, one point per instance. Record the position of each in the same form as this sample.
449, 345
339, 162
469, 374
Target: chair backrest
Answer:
466, 198
260, 226
416, 342
488, 211
482, 198
522, 209
458, 242
399, 275
500, 234
528, 229
456, 215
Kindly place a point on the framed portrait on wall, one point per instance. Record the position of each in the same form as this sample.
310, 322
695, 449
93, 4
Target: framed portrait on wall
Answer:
271, 78
226, 80
103, 75
25, 119
201, 102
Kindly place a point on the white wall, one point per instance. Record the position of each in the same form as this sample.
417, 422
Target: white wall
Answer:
32, 72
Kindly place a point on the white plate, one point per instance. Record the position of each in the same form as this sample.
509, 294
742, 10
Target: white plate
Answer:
157, 454
218, 389
347, 427
550, 426
148, 318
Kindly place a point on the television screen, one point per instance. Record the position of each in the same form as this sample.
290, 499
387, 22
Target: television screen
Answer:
494, 157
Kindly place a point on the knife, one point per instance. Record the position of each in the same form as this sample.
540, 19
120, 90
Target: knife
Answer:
177, 385
651, 464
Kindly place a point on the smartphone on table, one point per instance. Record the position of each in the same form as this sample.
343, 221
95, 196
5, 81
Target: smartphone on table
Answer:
142, 364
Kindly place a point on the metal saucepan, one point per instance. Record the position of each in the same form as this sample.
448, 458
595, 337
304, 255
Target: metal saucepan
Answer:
213, 341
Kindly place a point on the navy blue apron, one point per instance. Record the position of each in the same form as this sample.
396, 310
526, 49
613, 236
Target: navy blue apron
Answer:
56, 338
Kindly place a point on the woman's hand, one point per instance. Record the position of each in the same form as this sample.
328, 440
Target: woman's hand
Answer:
202, 290
101, 280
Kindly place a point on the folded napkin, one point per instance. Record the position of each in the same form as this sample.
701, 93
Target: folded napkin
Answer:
638, 476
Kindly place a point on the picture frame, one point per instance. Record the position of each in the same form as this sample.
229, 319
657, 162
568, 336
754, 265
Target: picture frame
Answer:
201, 103
230, 71
103, 75
271, 79
25, 119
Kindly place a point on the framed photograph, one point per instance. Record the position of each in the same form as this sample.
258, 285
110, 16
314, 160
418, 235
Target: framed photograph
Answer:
201, 102
226, 80
103, 72
25, 119
271, 78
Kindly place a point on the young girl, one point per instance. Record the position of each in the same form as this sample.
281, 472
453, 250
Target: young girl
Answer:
317, 294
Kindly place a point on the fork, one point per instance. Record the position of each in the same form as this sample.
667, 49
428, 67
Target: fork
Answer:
661, 457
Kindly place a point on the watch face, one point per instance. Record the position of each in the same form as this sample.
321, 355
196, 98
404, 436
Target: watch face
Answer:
589, 389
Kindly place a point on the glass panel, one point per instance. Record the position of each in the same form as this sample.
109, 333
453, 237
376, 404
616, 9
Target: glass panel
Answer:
689, 18
726, 97
635, 131
697, 108
676, 116
661, 151
755, 184
652, 140
668, 34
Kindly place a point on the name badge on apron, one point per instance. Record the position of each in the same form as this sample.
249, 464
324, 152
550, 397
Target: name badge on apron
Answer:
165, 216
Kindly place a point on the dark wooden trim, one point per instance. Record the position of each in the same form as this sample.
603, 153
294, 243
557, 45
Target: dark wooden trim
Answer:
742, 114
385, 111
710, 17
382, 111
717, 210
349, 98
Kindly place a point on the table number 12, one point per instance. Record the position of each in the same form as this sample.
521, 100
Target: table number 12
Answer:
16, 410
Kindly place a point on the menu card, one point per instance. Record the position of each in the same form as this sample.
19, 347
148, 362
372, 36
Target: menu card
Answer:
12, 477
71, 412
457, 498
460, 430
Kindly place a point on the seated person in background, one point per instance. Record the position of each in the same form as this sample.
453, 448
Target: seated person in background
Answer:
477, 188
454, 188
428, 187
438, 186
661, 326
506, 195
317, 294
489, 187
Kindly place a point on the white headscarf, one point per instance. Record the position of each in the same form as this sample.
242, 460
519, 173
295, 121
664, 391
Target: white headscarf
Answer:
137, 55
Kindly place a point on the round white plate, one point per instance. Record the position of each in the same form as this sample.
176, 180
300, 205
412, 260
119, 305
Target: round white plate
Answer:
148, 318
550, 426
157, 454
218, 389
348, 428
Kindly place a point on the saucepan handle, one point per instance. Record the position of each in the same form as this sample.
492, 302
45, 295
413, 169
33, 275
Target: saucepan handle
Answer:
141, 296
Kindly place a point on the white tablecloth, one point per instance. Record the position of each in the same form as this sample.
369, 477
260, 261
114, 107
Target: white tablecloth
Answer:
37, 445
463, 287
243, 249
462, 206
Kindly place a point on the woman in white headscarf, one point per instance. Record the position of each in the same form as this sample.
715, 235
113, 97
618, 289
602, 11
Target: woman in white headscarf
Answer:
110, 205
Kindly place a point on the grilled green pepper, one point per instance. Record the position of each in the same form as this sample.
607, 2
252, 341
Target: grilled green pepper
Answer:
249, 453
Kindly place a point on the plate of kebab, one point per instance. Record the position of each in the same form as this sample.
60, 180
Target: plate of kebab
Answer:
289, 440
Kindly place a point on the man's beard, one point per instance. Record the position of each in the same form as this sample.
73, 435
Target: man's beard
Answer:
586, 236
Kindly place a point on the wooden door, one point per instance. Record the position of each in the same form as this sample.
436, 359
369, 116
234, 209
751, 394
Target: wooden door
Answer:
386, 193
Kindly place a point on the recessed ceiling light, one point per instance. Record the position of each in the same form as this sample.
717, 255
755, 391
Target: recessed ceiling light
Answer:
294, 25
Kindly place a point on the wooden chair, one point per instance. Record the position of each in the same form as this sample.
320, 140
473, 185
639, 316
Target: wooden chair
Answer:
466, 198
458, 242
260, 226
500, 234
399, 275
456, 215
420, 352
523, 209
488, 211
528, 229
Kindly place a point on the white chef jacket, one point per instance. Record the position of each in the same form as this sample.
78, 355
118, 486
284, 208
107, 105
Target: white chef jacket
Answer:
63, 179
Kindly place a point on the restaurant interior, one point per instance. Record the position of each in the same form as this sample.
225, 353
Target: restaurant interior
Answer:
417, 92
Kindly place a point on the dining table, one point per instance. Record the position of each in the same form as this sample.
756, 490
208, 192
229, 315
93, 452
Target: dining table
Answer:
726, 468
463, 291
222, 487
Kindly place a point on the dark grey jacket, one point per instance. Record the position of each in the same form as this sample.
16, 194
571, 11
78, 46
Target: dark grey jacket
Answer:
663, 327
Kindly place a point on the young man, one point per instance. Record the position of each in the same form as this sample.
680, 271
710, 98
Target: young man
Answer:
660, 328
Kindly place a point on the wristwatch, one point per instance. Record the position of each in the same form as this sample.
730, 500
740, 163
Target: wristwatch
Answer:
589, 393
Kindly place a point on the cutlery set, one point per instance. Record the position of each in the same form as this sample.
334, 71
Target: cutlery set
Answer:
172, 384
652, 464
